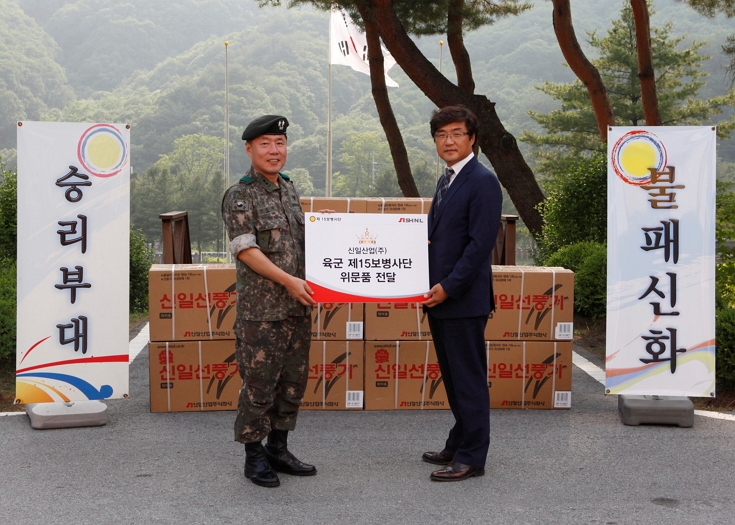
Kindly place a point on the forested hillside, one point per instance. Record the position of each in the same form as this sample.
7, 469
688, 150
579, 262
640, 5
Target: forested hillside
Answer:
160, 66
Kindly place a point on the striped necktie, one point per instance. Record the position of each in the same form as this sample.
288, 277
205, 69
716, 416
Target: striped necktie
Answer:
444, 185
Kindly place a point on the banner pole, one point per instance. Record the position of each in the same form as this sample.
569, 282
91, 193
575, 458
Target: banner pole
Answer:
328, 180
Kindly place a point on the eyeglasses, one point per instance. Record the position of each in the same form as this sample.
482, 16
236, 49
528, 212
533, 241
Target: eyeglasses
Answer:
455, 136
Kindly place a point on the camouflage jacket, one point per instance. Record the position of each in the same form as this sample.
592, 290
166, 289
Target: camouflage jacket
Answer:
259, 214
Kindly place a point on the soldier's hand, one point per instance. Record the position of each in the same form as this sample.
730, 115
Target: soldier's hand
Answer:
300, 290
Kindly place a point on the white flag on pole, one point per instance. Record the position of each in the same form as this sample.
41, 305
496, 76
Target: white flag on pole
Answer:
348, 46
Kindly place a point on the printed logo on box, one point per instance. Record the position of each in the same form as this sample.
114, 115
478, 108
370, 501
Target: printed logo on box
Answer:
329, 373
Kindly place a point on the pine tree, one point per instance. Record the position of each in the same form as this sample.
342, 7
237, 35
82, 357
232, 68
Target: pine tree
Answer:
572, 129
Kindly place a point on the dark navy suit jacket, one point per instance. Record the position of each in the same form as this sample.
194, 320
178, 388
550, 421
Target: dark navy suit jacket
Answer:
462, 231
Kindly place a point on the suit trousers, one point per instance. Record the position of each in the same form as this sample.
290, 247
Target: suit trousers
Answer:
460, 350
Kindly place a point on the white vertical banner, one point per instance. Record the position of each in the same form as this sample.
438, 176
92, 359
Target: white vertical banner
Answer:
348, 46
661, 261
73, 261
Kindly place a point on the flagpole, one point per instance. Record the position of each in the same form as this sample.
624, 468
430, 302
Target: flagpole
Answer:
441, 49
328, 180
227, 147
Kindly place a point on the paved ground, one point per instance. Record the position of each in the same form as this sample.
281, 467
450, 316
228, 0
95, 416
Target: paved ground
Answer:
580, 466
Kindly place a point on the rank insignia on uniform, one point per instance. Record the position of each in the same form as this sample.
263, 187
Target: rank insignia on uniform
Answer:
281, 124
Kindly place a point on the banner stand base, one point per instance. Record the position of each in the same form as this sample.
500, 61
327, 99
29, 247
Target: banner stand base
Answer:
67, 415
656, 410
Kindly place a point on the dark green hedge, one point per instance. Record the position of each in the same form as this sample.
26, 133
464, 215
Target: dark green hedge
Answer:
141, 258
588, 261
575, 209
7, 310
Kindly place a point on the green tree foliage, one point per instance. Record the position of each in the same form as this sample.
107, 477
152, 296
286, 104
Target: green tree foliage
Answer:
31, 81
725, 239
150, 195
301, 181
185, 95
725, 286
106, 41
367, 171
679, 78
576, 206
575, 230
710, 8
141, 258
196, 161
359, 151
8, 243
8, 212
725, 337
7, 310
588, 261
187, 179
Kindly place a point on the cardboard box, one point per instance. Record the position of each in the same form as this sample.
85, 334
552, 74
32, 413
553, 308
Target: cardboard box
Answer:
532, 304
336, 377
190, 302
200, 305
397, 205
396, 322
193, 376
403, 375
338, 204
337, 322
530, 374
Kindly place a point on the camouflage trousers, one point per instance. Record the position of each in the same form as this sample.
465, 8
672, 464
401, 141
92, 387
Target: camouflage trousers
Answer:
273, 359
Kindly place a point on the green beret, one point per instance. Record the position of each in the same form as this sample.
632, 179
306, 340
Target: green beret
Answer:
265, 125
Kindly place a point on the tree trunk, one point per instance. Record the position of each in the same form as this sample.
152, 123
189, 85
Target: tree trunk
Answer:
455, 40
646, 75
385, 111
585, 71
497, 144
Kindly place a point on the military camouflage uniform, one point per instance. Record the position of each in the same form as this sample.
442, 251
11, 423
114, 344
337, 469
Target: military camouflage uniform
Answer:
273, 329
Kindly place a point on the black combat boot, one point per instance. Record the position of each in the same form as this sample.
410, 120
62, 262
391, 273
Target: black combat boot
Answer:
257, 468
281, 459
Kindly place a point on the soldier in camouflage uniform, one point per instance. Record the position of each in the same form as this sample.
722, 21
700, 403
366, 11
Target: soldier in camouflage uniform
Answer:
265, 224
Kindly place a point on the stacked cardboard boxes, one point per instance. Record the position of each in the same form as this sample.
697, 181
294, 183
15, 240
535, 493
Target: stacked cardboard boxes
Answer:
529, 338
192, 350
191, 376
192, 363
403, 375
336, 377
373, 356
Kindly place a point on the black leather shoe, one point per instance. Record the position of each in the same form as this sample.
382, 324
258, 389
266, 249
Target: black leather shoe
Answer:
281, 459
257, 468
456, 472
438, 458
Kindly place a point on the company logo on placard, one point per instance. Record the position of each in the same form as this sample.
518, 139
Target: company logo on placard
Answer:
367, 238
102, 150
635, 154
418, 220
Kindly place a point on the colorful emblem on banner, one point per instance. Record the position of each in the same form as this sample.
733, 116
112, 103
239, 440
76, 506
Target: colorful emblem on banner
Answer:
635, 153
102, 150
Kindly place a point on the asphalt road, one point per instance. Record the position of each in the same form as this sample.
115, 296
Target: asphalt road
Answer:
580, 466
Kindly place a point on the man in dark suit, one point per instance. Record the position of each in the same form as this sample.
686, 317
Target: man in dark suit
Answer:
463, 225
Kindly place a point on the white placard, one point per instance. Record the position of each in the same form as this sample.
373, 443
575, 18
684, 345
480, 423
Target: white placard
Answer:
367, 257
661, 261
73, 261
